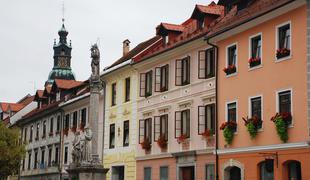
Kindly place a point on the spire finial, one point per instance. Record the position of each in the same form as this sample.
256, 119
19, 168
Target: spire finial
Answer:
63, 11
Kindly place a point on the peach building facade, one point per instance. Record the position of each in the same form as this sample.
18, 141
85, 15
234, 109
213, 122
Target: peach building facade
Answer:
265, 72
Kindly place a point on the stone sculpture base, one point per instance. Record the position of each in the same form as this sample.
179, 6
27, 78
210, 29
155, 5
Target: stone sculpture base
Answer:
87, 172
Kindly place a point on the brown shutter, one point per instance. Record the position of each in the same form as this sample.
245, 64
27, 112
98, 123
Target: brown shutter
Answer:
142, 85
157, 79
202, 64
156, 127
178, 72
141, 131
167, 77
213, 118
188, 122
201, 119
178, 121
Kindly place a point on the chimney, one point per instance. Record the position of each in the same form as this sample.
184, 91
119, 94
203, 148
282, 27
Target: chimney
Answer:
126, 47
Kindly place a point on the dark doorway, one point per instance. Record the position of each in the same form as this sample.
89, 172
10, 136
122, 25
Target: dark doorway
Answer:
118, 173
187, 173
235, 173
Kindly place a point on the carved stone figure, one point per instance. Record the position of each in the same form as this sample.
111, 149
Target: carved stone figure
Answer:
80, 146
95, 55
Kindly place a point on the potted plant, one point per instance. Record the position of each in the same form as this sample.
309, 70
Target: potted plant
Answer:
181, 138
162, 142
82, 126
252, 125
282, 121
254, 61
283, 52
146, 144
207, 133
228, 130
230, 69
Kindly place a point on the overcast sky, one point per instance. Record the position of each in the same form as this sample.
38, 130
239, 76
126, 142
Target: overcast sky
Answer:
28, 29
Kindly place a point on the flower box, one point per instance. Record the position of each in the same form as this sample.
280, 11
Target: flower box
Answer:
252, 125
73, 129
207, 133
254, 62
230, 69
228, 128
146, 144
65, 131
162, 142
82, 126
283, 52
282, 121
181, 138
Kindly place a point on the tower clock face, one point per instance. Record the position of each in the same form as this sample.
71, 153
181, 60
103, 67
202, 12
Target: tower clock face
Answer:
62, 62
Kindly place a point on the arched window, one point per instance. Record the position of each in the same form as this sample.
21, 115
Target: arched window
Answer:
232, 173
293, 169
266, 169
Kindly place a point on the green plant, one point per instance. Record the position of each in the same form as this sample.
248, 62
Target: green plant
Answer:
281, 122
252, 130
228, 130
252, 125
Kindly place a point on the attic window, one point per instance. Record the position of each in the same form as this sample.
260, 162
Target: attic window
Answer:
165, 40
200, 24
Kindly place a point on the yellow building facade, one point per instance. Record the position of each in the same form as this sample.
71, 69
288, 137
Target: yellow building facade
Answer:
120, 121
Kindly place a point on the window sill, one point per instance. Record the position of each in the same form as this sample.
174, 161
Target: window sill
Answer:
283, 59
231, 75
255, 67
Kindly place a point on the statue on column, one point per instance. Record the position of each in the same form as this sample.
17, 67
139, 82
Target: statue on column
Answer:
80, 146
95, 63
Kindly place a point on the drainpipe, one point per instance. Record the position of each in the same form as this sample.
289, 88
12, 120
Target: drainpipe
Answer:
60, 154
216, 107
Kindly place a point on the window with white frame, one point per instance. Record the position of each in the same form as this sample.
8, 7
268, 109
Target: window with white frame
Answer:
206, 63
256, 109
285, 105
113, 94
161, 78
182, 123
161, 127
231, 60
232, 113
255, 51
126, 133
206, 119
145, 130
182, 71
146, 84
283, 41
112, 136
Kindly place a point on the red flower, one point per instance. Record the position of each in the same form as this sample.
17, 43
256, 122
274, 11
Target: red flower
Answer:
181, 138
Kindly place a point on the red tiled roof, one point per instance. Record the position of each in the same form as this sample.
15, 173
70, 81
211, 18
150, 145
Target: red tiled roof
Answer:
211, 9
67, 84
135, 51
4, 106
37, 111
26, 100
171, 27
16, 107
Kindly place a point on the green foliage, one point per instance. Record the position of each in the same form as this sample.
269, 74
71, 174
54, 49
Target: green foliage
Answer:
11, 152
228, 135
281, 127
252, 129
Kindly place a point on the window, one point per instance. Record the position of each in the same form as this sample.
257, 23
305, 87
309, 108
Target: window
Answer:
256, 51
51, 125
147, 173
200, 23
206, 118
232, 113
74, 121
113, 96
44, 129
42, 156
267, 169
294, 170
112, 136
57, 154
35, 159
23, 165
161, 127
284, 41
165, 40
25, 135
37, 132
161, 78
31, 133
256, 108
163, 173
146, 84
210, 172
83, 116
29, 159
206, 63
231, 62
67, 121
182, 123
145, 130
284, 103
49, 156
126, 134
66, 155
127, 89
58, 123
182, 71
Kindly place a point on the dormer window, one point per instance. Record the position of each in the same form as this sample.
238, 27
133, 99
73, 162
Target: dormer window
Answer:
200, 24
165, 40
